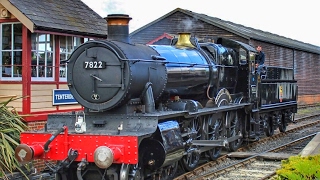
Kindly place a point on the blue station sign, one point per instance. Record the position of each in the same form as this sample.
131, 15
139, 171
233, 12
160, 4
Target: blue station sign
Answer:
62, 97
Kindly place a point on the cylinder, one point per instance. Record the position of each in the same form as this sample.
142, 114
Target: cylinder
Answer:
156, 153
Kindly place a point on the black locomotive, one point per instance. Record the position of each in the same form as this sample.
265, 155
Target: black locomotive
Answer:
150, 108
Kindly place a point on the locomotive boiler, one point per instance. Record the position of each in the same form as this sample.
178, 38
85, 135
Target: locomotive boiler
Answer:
151, 108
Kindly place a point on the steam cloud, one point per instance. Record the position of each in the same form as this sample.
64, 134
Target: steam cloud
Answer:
189, 24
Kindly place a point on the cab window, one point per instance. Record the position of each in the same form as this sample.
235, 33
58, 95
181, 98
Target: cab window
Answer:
243, 56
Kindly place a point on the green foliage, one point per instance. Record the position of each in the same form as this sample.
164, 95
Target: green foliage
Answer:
300, 168
11, 125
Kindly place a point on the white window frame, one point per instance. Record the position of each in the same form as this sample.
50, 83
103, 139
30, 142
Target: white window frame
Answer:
36, 52
75, 41
18, 76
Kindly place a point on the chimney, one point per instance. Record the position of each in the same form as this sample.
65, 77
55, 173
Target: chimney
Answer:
184, 40
118, 27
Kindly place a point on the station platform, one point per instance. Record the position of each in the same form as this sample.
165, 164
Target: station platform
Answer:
313, 147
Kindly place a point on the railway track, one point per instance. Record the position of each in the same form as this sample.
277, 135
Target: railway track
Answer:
257, 166
225, 162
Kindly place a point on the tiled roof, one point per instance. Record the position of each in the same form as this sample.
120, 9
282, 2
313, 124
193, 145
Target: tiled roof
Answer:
66, 16
243, 31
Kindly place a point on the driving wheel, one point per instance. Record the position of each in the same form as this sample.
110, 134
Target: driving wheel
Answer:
214, 133
234, 130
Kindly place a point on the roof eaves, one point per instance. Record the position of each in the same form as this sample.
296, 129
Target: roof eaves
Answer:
295, 47
18, 14
251, 33
73, 32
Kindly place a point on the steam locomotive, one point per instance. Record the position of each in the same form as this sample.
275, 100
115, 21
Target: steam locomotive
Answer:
151, 108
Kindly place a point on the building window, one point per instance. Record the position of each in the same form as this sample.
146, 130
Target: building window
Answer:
87, 39
11, 50
42, 56
67, 45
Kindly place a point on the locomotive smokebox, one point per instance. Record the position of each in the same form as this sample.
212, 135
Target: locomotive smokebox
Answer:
118, 27
105, 74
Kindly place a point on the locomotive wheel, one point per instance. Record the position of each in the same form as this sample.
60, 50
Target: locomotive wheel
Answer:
130, 172
169, 171
233, 130
214, 132
191, 159
223, 98
283, 124
269, 129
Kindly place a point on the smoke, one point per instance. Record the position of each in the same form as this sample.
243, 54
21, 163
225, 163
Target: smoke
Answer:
189, 24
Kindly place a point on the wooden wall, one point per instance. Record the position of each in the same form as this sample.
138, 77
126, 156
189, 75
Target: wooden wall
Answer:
41, 97
14, 91
180, 22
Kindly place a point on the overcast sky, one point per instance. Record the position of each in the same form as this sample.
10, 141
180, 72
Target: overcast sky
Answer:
293, 19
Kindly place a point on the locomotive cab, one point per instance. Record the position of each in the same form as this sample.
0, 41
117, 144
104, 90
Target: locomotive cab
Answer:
235, 63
